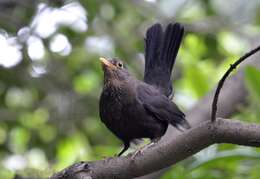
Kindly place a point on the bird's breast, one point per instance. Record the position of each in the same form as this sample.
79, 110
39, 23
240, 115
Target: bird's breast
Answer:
113, 101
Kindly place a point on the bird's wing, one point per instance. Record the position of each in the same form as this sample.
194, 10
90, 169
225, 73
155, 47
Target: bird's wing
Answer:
161, 107
161, 49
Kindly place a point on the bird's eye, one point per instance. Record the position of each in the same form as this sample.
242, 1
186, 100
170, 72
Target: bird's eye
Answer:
120, 65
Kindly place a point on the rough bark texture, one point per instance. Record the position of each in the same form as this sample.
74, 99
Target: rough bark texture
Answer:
170, 152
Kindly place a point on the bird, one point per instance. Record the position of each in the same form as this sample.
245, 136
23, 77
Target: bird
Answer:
134, 109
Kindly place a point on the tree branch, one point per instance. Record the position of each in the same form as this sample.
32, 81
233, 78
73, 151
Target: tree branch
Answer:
171, 152
222, 80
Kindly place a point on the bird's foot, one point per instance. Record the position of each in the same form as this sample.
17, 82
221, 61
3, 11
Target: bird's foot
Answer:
141, 150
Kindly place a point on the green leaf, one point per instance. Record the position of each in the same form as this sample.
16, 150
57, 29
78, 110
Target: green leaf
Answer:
231, 43
252, 77
86, 82
76, 144
197, 80
19, 139
229, 155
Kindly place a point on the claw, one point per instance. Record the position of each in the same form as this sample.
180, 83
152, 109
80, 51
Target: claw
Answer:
141, 150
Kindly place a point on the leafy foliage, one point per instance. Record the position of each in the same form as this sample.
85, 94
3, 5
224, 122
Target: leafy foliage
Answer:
51, 77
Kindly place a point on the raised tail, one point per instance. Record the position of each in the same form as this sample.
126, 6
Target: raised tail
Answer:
161, 49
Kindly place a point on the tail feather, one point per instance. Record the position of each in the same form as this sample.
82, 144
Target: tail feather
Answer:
160, 53
171, 43
181, 123
152, 49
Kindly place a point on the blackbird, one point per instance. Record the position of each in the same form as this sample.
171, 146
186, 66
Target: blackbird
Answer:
134, 109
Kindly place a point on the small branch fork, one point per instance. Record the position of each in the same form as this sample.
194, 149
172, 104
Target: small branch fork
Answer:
221, 82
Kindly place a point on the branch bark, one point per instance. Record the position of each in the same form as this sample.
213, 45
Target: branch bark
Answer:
171, 152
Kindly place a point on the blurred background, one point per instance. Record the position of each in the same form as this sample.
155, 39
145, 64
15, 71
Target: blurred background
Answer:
51, 79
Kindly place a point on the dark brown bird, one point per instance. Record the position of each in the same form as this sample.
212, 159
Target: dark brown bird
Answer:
134, 109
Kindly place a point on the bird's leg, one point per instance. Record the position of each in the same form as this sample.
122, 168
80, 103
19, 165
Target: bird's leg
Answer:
126, 146
142, 149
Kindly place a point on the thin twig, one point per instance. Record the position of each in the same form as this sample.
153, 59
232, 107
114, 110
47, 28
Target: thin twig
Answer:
221, 82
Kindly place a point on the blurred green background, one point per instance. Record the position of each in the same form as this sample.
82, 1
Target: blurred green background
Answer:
51, 79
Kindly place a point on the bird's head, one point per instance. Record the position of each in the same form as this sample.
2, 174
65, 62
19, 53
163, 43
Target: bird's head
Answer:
114, 70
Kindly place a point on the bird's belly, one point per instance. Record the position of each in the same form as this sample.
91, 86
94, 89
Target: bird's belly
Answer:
140, 124
129, 120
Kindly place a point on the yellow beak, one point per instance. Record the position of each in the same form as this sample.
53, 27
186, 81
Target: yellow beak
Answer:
106, 62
